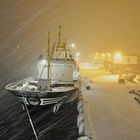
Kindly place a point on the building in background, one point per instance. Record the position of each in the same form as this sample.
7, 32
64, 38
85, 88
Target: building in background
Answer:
125, 64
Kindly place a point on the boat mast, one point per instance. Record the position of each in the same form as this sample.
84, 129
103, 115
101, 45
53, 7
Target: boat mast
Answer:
59, 36
61, 46
49, 59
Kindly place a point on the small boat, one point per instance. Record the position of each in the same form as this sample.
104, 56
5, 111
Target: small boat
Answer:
55, 83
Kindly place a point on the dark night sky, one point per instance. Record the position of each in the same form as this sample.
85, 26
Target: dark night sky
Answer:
93, 25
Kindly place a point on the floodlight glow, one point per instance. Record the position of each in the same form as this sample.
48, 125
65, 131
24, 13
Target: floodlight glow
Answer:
72, 45
118, 57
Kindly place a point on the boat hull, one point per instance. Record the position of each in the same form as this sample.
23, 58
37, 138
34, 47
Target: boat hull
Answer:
46, 98
59, 94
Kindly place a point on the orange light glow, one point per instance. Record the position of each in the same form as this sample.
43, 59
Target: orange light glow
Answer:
118, 57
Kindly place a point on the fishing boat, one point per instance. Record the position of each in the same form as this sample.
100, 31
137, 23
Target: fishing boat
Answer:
55, 83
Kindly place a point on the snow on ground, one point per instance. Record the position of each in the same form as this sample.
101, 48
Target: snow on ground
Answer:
112, 112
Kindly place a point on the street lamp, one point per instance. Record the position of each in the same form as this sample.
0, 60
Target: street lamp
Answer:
73, 45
